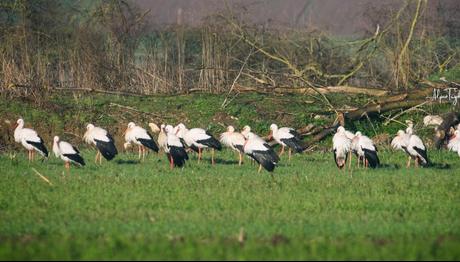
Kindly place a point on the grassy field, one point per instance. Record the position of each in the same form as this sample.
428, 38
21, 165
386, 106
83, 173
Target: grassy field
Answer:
307, 209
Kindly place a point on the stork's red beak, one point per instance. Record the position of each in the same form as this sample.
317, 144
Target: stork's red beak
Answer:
177, 131
15, 125
270, 135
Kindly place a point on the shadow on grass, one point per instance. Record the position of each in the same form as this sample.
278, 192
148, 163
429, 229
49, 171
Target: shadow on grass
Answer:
129, 162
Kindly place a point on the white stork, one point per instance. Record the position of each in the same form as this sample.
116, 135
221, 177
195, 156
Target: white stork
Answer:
410, 127
245, 131
365, 149
234, 140
413, 146
454, 142
351, 136
138, 135
286, 136
341, 146
162, 138
260, 151
67, 152
30, 140
197, 139
174, 148
103, 141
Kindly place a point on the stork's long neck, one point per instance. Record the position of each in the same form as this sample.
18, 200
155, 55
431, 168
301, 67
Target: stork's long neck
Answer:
17, 131
56, 150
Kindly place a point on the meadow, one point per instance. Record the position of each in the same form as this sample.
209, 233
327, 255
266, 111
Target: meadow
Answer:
306, 209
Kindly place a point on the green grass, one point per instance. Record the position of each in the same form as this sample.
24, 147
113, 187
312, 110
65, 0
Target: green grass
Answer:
68, 115
308, 209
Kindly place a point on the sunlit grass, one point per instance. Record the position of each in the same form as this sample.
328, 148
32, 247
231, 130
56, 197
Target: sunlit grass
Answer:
307, 209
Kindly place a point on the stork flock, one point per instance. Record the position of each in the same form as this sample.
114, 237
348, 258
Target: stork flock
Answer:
177, 141
174, 141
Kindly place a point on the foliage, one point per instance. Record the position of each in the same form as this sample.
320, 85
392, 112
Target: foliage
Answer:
110, 45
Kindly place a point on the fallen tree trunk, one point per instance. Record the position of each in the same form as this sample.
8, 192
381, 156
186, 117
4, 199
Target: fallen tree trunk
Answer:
381, 105
308, 90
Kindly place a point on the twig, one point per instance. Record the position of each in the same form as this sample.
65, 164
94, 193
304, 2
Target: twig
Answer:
370, 122
393, 120
77, 89
225, 103
137, 110
403, 112
42, 177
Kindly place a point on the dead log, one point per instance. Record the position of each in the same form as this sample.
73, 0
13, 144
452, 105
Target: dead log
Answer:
310, 91
92, 90
382, 108
382, 105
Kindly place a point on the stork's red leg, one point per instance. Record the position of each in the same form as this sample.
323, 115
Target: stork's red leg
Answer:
212, 156
282, 150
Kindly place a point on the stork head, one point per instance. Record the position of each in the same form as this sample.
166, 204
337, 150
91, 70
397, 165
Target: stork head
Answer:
250, 135
20, 123
56, 139
358, 133
181, 126
401, 133
180, 129
341, 129
246, 128
230, 129
131, 125
89, 126
169, 129
273, 128
154, 127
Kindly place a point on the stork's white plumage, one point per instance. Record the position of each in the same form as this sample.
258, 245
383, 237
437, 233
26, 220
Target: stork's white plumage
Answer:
139, 136
400, 141
410, 127
234, 140
197, 139
162, 138
174, 148
365, 149
30, 140
286, 136
413, 146
246, 131
67, 152
103, 141
341, 146
454, 142
260, 151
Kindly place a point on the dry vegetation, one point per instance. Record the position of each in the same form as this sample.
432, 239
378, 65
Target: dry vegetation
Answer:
109, 46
